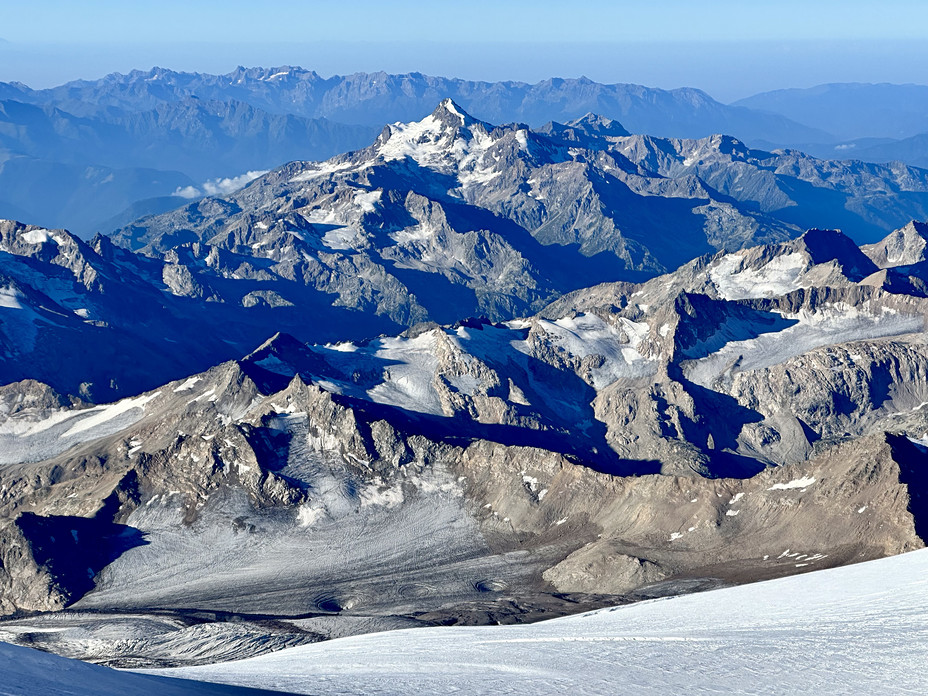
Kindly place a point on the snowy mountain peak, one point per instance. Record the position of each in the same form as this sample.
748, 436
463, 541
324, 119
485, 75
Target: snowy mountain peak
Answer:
446, 137
20, 239
449, 113
817, 258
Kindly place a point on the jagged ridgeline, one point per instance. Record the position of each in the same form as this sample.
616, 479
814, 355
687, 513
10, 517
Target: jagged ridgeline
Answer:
755, 413
437, 220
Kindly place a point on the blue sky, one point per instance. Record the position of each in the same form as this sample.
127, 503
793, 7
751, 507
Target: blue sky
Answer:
730, 48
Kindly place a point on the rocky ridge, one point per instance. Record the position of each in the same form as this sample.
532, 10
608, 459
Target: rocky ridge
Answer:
450, 216
437, 220
753, 414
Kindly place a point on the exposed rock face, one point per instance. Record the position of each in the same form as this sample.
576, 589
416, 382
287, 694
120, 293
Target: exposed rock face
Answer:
438, 219
904, 247
754, 414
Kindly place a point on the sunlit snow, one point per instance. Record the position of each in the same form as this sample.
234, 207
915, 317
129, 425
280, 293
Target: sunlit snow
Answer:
860, 629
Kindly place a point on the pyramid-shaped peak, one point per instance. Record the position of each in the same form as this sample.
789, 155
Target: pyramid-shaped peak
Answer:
450, 114
594, 124
903, 247
916, 227
824, 246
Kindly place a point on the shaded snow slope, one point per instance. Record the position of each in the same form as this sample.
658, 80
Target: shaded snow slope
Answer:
28, 672
858, 629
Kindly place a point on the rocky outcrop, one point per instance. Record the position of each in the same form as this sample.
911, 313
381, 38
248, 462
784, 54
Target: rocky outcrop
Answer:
699, 429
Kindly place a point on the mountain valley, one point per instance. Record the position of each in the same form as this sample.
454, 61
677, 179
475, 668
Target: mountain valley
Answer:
315, 379
753, 414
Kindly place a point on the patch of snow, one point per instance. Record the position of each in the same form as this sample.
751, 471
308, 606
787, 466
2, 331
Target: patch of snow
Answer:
804, 482
188, 384
307, 515
39, 236
416, 233
465, 384
828, 325
321, 169
388, 496
778, 277
367, 200
587, 334
343, 238
9, 298
102, 414
407, 367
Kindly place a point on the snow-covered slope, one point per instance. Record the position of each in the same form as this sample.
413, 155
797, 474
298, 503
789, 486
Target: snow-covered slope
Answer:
854, 630
28, 672
630, 440
450, 216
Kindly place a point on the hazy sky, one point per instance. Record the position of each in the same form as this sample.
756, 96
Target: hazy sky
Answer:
731, 48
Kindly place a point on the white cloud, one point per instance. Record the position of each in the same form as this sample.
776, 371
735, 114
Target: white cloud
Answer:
187, 192
222, 187
219, 187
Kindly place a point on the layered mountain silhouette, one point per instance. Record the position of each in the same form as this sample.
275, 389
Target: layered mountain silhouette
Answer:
438, 219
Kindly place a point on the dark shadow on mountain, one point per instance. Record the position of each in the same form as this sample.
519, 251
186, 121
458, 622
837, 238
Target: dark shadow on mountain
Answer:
720, 416
75, 549
913, 472
445, 300
668, 228
461, 431
819, 207
409, 176
561, 418
707, 324
271, 445
563, 266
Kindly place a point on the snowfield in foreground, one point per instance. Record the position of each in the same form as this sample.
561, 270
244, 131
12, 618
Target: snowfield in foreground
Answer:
28, 672
861, 629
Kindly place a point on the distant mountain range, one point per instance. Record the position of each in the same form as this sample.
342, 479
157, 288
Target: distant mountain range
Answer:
60, 169
93, 155
870, 122
375, 98
850, 111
